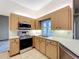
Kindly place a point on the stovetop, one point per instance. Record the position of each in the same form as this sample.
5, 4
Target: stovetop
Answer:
25, 37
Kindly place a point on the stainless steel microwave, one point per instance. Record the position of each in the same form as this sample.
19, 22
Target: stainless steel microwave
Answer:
24, 26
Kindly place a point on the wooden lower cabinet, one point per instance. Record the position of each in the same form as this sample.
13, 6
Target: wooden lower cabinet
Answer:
42, 45
14, 46
47, 47
51, 49
37, 42
33, 41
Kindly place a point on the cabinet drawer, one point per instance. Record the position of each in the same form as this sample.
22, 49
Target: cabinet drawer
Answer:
42, 40
54, 43
48, 41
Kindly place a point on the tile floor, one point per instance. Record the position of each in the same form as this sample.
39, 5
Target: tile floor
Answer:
32, 54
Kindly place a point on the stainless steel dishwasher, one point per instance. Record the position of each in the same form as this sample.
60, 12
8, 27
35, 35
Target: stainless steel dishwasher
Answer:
67, 54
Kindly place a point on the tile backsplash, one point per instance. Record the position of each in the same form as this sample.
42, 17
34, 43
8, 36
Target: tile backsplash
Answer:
12, 33
63, 33
35, 32
55, 33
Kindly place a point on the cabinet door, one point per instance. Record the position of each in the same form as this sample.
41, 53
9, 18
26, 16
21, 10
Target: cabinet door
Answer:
37, 24
33, 41
42, 45
13, 22
51, 50
33, 24
24, 19
55, 21
62, 19
14, 47
37, 41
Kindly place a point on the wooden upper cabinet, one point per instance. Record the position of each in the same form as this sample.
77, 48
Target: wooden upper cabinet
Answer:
13, 22
37, 24
54, 19
33, 24
62, 19
24, 19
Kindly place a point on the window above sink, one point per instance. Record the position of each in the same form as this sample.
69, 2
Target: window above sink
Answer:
46, 27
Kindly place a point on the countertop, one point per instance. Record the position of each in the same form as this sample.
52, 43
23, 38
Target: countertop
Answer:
71, 44
12, 37
4, 46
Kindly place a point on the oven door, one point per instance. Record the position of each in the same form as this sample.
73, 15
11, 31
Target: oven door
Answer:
25, 43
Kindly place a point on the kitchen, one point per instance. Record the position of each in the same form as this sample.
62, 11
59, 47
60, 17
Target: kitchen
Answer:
48, 33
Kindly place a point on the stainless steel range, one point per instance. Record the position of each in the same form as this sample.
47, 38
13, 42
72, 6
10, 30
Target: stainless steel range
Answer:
25, 38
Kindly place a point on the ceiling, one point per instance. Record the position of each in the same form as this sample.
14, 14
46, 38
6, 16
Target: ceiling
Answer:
30, 8
33, 4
